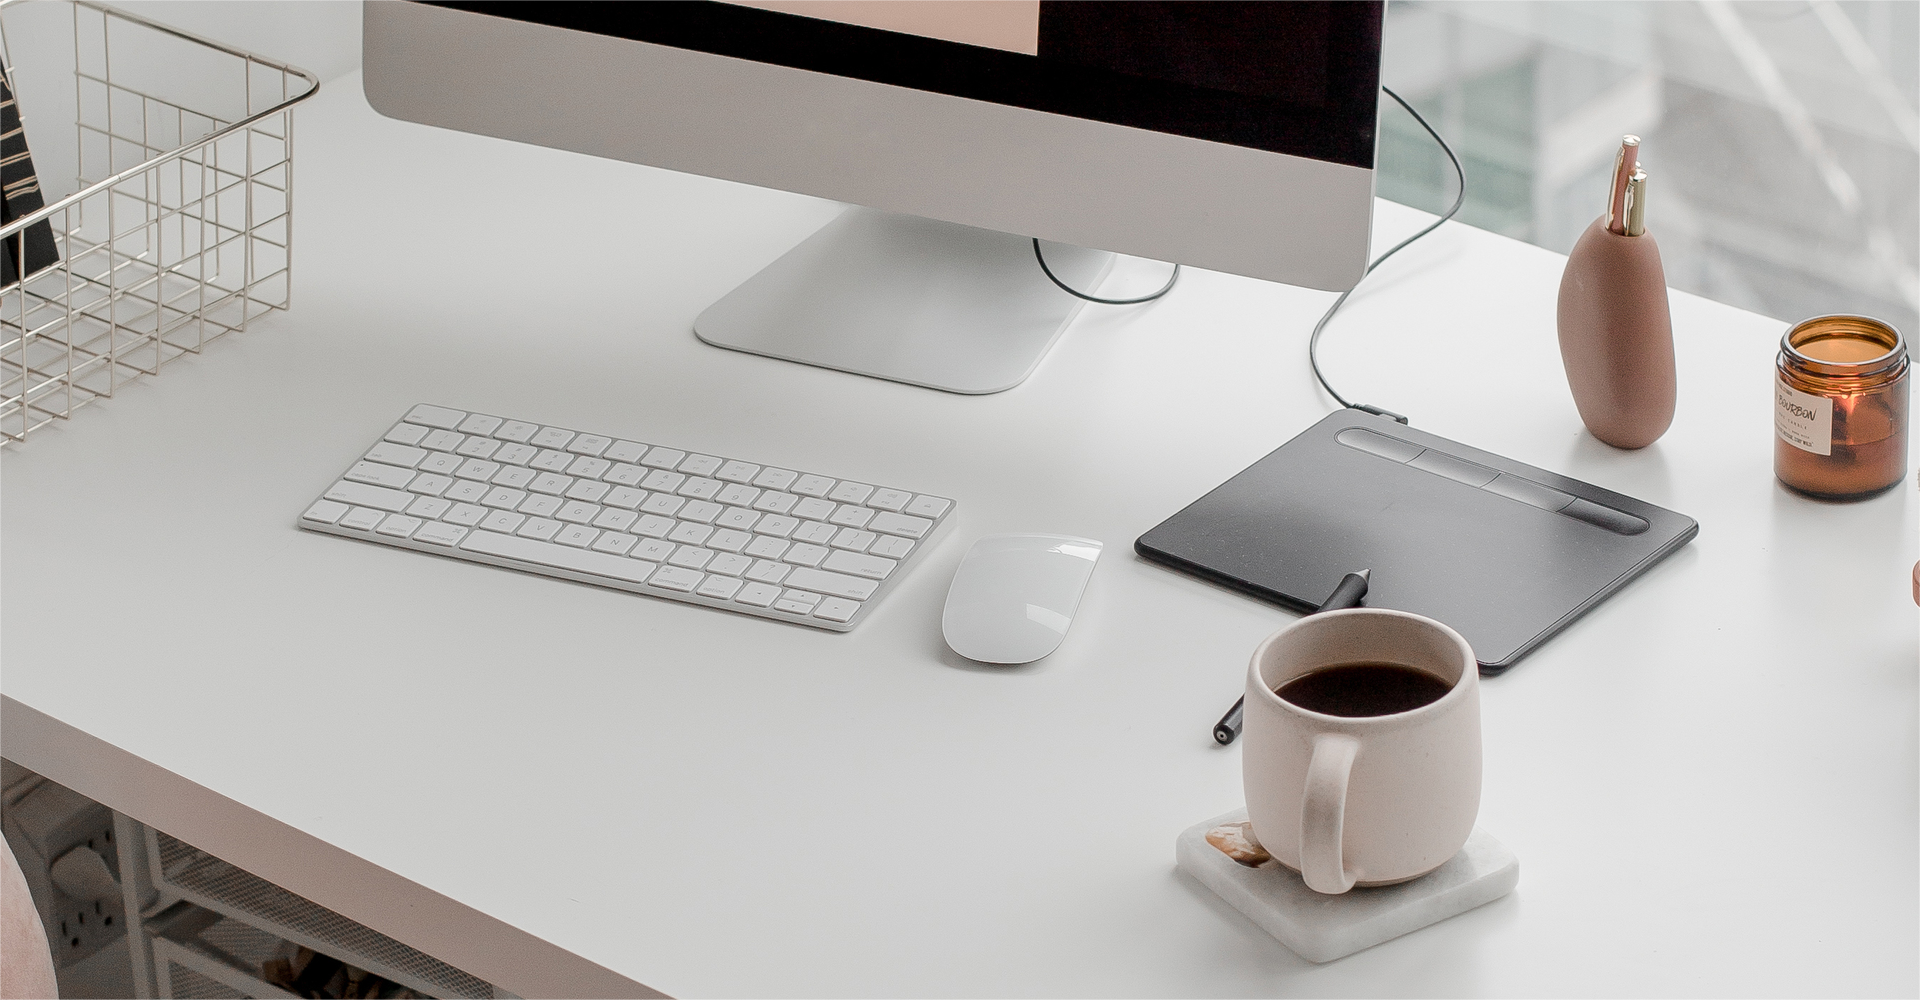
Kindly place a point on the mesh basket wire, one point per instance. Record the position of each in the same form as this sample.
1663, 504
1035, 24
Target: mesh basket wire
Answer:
179, 226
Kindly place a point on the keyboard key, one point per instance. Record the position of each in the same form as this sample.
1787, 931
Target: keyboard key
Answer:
720, 587
503, 520
729, 540
577, 535
805, 555
552, 437
737, 472
900, 524
891, 546
477, 447
836, 609
539, 505
814, 509
873, 567
466, 491
653, 525
759, 595
675, 578
663, 458
837, 584
388, 453
550, 482
664, 504
465, 514
588, 444
851, 516
690, 532
442, 440
812, 486
479, 423
380, 475
518, 431
736, 495
775, 479
853, 539
578, 512
539, 527
625, 475
363, 495
738, 518
558, 556
775, 502
699, 488
690, 556
429, 507
588, 468
849, 492
662, 481
893, 500
362, 518
441, 463
503, 498
615, 519
700, 510
615, 542
429, 484
730, 564
325, 511
404, 433
652, 549
516, 454
551, 461
699, 465
435, 416
624, 498
767, 548
767, 571
779, 526
476, 469
624, 451
797, 602
814, 531
437, 533
926, 506
513, 476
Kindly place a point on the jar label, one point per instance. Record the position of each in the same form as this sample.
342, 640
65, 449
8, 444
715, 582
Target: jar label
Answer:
1803, 419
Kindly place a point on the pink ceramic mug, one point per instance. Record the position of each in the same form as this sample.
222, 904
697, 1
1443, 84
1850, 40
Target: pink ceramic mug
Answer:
1369, 800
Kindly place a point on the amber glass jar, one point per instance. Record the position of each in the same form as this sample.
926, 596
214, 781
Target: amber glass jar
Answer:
1840, 408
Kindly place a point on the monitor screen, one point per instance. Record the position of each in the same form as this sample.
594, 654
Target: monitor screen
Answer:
1297, 78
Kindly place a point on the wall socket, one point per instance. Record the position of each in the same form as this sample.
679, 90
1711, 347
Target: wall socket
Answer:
41, 826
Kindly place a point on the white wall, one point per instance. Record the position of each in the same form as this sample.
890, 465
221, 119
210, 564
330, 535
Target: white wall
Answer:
319, 36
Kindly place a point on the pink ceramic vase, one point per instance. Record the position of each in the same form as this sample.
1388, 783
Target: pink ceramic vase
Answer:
1616, 336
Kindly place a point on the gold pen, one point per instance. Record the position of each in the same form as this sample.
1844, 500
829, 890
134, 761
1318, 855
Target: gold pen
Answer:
1637, 202
1623, 166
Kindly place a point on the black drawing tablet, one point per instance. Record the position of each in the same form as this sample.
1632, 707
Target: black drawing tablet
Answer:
1505, 553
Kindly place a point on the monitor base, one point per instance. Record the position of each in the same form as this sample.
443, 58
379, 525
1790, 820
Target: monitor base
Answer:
908, 299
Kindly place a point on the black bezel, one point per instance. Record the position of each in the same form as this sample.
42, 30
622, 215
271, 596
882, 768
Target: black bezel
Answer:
1338, 129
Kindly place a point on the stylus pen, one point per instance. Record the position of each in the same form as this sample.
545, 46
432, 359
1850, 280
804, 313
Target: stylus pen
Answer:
1350, 592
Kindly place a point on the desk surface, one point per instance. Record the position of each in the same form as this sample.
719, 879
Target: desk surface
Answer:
1710, 781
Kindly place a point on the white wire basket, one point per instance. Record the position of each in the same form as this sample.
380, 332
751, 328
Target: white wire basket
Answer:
170, 201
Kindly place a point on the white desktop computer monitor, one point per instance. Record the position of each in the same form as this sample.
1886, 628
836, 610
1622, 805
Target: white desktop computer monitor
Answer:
1237, 137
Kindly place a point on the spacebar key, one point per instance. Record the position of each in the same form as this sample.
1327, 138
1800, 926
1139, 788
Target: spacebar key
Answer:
558, 556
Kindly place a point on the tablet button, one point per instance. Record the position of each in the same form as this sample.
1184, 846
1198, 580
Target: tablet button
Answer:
1458, 470
1618, 522
1529, 492
1386, 447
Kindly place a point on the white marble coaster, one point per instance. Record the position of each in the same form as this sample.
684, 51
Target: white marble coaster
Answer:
1322, 928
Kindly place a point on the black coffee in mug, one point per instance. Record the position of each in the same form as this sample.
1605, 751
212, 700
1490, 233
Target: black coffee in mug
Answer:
1359, 690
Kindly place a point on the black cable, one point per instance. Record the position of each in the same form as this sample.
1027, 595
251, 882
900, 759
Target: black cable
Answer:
1460, 196
1168, 287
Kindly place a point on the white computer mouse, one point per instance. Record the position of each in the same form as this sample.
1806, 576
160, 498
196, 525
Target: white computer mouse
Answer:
1014, 596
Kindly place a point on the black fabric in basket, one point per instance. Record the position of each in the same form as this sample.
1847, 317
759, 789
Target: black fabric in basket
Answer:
19, 196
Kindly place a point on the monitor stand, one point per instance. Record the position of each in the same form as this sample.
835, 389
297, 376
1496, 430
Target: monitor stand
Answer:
908, 299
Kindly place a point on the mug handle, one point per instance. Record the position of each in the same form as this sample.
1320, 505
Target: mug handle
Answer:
1323, 813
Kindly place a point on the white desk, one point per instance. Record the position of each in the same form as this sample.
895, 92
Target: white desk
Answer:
1710, 781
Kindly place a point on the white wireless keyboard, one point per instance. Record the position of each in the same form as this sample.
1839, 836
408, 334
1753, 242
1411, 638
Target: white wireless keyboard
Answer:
705, 529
